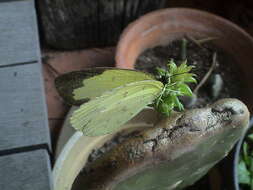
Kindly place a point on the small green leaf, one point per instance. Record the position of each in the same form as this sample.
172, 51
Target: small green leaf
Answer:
172, 67
179, 105
182, 67
243, 173
164, 108
185, 89
190, 80
170, 103
168, 99
250, 137
182, 77
251, 165
245, 154
251, 171
160, 71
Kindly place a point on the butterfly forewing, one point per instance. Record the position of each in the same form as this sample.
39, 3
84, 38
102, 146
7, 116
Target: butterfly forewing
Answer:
107, 113
80, 86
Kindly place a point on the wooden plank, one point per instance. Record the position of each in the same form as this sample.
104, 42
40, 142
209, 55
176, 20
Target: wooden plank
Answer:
18, 32
23, 115
93, 23
26, 171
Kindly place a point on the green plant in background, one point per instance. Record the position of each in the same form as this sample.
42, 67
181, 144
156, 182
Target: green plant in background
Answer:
110, 97
245, 166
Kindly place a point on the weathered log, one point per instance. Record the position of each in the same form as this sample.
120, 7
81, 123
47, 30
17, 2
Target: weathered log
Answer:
80, 24
172, 155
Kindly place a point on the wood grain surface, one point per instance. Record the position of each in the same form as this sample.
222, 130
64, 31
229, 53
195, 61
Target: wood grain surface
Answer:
18, 32
89, 23
23, 118
26, 171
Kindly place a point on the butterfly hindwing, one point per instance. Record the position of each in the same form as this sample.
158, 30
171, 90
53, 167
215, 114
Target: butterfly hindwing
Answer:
81, 86
107, 113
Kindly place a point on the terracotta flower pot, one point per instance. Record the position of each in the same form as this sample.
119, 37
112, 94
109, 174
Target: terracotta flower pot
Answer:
163, 26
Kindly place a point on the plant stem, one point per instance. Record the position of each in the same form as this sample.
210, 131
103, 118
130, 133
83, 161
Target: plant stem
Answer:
159, 99
204, 40
193, 40
200, 41
204, 79
184, 49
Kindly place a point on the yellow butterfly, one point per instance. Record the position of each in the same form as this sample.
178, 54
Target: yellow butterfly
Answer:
109, 97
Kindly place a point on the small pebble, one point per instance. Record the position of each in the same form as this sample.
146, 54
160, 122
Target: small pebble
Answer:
216, 85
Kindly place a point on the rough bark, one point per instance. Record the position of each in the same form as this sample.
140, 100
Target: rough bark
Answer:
79, 24
172, 155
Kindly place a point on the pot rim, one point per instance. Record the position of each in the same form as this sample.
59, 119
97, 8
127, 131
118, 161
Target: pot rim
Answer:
124, 38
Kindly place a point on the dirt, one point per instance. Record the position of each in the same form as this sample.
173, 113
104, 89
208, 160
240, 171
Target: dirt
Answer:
201, 58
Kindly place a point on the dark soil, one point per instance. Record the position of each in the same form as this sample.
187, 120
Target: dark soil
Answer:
201, 58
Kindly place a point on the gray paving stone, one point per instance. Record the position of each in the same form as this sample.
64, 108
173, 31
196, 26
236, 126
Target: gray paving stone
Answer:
18, 32
23, 114
26, 171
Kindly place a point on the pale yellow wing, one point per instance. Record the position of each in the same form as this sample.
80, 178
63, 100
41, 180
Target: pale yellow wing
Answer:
107, 113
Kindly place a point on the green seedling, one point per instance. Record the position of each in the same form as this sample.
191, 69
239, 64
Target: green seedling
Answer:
245, 166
